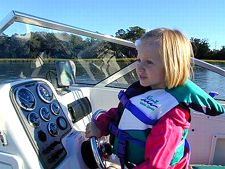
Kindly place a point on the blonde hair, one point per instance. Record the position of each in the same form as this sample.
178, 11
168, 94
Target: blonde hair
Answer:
175, 53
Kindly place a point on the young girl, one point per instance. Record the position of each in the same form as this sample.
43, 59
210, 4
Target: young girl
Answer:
149, 127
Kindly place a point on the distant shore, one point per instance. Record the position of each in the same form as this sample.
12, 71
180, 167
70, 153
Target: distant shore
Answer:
214, 61
53, 59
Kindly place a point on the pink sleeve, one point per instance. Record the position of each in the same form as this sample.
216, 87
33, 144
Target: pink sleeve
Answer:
163, 139
104, 119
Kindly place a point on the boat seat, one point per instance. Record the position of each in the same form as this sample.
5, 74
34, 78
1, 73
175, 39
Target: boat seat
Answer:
66, 73
207, 167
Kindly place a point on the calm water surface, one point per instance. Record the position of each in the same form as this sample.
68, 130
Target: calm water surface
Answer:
207, 80
210, 81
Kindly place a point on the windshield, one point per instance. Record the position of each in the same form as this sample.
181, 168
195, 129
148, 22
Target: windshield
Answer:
32, 47
31, 51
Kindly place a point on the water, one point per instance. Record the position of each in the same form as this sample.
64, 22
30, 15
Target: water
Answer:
210, 81
206, 79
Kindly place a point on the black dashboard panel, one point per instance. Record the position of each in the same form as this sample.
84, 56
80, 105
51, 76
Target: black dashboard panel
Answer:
43, 120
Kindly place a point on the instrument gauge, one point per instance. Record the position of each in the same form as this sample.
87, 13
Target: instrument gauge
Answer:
34, 119
61, 122
45, 114
55, 108
53, 129
45, 92
25, 98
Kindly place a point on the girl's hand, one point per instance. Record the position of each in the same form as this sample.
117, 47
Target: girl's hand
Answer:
92, 130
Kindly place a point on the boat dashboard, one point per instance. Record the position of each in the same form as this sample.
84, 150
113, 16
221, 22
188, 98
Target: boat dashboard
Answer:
36, 123
42, 118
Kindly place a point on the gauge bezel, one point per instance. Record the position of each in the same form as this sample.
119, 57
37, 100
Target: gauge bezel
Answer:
53, 112
59, 123
20, 103
48, 89
30, 122
41, 114
49, 129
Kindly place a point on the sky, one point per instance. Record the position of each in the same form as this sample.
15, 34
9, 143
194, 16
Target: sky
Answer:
202, 19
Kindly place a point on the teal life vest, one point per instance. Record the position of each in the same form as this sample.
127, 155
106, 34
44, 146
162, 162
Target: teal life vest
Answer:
188, 94
196, 98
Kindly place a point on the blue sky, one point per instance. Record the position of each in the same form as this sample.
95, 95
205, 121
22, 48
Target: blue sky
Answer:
203, 19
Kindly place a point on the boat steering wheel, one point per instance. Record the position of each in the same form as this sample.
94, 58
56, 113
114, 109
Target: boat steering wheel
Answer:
95, 150
98, 148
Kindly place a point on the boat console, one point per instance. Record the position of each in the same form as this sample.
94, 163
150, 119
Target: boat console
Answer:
38, 126
43, 120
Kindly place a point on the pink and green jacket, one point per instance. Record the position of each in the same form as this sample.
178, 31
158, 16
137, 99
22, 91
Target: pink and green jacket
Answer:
164, 136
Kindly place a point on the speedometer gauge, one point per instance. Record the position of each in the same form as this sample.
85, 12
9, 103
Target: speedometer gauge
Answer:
45, 93
25, 99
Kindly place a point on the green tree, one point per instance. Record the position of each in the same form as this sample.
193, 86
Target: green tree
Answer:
219, 54
131, 34
201, 48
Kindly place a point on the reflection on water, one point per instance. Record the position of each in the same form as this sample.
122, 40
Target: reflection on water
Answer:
206, 79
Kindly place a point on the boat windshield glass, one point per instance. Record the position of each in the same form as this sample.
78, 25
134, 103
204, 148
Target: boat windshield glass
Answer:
32, 47
28, 51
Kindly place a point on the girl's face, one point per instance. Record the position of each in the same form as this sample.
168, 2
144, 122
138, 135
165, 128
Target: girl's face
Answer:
150, 69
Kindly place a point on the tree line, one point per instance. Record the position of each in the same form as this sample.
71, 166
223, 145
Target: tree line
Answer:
64, 45
201, 47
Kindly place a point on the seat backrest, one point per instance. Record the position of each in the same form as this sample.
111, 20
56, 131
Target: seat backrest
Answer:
66, 73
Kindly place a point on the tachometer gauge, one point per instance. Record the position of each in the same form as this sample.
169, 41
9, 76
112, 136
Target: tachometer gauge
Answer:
45, 92
25, 99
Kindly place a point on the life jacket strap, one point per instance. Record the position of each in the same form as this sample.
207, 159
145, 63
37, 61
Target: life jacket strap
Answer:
134, 109
187, 152
123, 137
